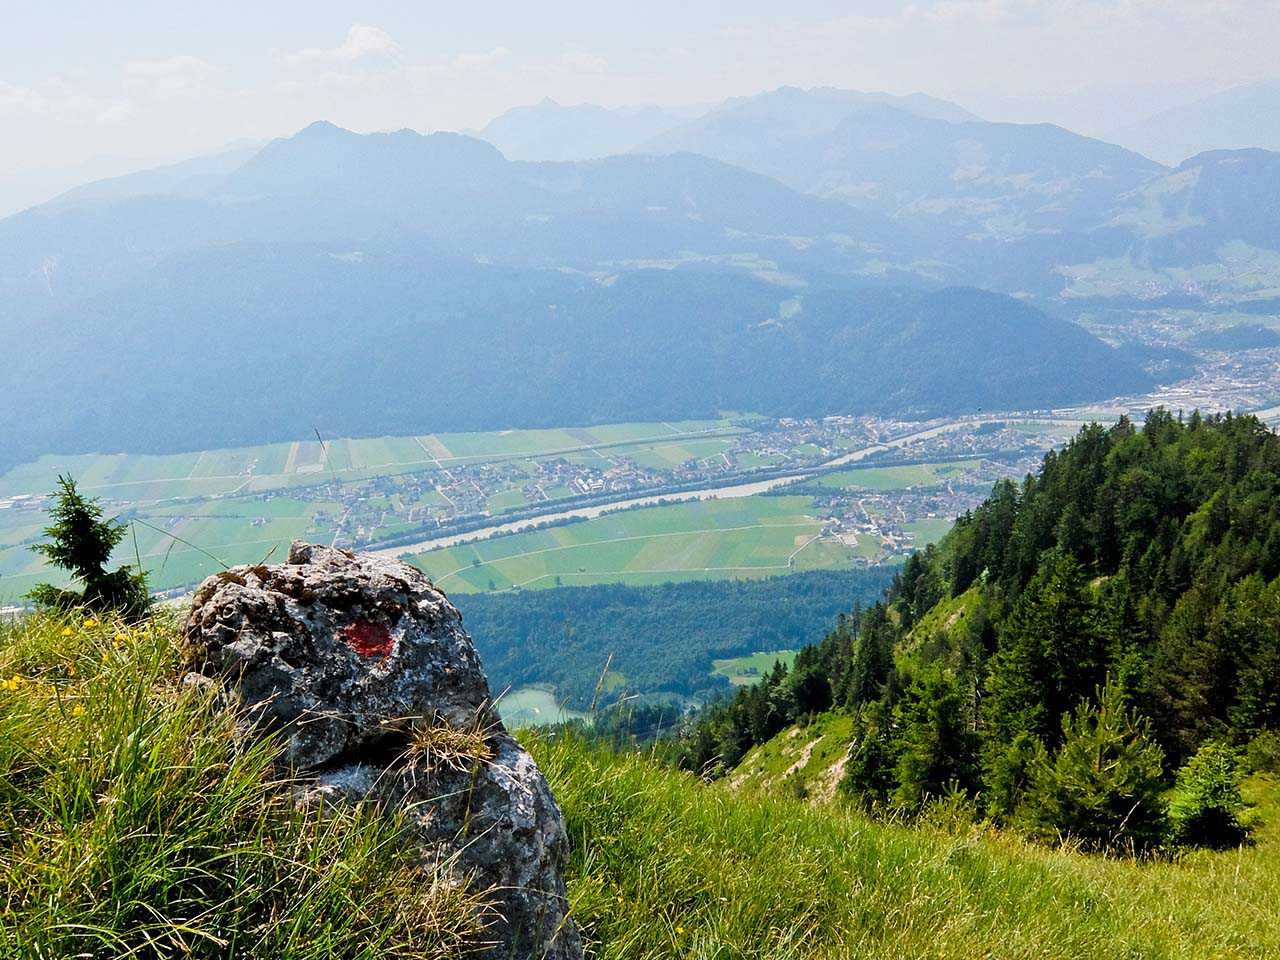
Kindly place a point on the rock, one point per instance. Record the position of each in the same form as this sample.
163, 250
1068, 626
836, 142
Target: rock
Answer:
363, 667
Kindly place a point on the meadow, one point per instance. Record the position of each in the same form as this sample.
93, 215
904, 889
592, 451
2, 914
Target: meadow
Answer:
201, 847
741, 671
665, 866
882, 479
702, 539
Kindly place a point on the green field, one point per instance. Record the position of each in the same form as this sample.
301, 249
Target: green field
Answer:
928, 529
897, 478
216, 533
197, 511
148, 478
706, 539
741, 671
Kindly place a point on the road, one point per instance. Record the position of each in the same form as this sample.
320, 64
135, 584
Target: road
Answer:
730, 492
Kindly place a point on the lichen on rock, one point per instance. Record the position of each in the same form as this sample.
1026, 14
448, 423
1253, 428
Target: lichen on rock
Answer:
362, 668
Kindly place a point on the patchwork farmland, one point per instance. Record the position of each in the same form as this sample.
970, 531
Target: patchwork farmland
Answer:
704, 539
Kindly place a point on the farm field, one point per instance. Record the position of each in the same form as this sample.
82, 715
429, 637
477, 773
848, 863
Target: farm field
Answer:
928, 530
182, 544
147, 477
190, 514
897, 477
741, 671
752, 536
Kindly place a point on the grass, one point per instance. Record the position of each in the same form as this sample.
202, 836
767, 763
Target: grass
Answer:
134, 822
804, 761
664, 866
884, 479
928, 530
744, 670
701, 539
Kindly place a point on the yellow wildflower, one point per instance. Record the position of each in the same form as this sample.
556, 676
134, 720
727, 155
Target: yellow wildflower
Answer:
78, 710
67, 631
90, 623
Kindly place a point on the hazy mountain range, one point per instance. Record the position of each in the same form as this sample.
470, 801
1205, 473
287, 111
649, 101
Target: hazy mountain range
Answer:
792, 253
549, 131
1239, 118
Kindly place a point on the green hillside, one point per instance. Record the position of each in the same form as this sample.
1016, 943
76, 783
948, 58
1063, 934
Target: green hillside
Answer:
198, 857
665, 866
1091, 654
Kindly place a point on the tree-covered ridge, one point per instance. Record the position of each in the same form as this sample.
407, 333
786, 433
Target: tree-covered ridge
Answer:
658, 641
1069, 645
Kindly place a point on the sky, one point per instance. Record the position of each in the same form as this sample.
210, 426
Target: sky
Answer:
165, 80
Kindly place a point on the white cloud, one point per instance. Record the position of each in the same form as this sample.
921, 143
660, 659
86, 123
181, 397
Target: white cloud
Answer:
364, 45
168, 77
480, 61
580, 61
59, 101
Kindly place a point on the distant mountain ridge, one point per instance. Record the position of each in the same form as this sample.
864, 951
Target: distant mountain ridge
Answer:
242, 343
939, 164
1235, 119
393, 269
549, 131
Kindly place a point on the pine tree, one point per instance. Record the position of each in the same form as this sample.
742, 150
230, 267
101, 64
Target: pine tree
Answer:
937, 748
1049, 657
1102, 787
1206, 804
81, 542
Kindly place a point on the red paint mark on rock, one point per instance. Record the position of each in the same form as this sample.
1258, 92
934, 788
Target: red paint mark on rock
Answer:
367, 638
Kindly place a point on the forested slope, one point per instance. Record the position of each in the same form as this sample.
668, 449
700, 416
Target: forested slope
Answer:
1118, 611
658, 641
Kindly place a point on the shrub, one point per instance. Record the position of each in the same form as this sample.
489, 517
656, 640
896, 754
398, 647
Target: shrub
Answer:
1102, 788
1263, 753
1206, 805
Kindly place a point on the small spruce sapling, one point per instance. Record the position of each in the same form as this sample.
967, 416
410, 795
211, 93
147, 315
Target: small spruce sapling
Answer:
1102, 788
1206, 805
81, 541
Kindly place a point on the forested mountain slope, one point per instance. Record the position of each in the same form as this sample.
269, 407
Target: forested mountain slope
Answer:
1127, 596
407, 339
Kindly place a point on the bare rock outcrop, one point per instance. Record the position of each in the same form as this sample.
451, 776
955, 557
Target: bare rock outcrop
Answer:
363, 667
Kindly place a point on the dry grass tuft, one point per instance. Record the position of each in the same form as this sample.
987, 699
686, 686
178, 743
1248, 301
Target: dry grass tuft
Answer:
434, 742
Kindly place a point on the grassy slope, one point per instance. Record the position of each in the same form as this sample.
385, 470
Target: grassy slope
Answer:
666, 867
132, 824
129, 820
805, 761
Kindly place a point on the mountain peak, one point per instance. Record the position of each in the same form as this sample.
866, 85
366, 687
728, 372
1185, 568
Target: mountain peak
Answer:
321, 128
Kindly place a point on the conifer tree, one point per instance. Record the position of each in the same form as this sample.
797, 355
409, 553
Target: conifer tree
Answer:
937, 748
1102, 787
81, 542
